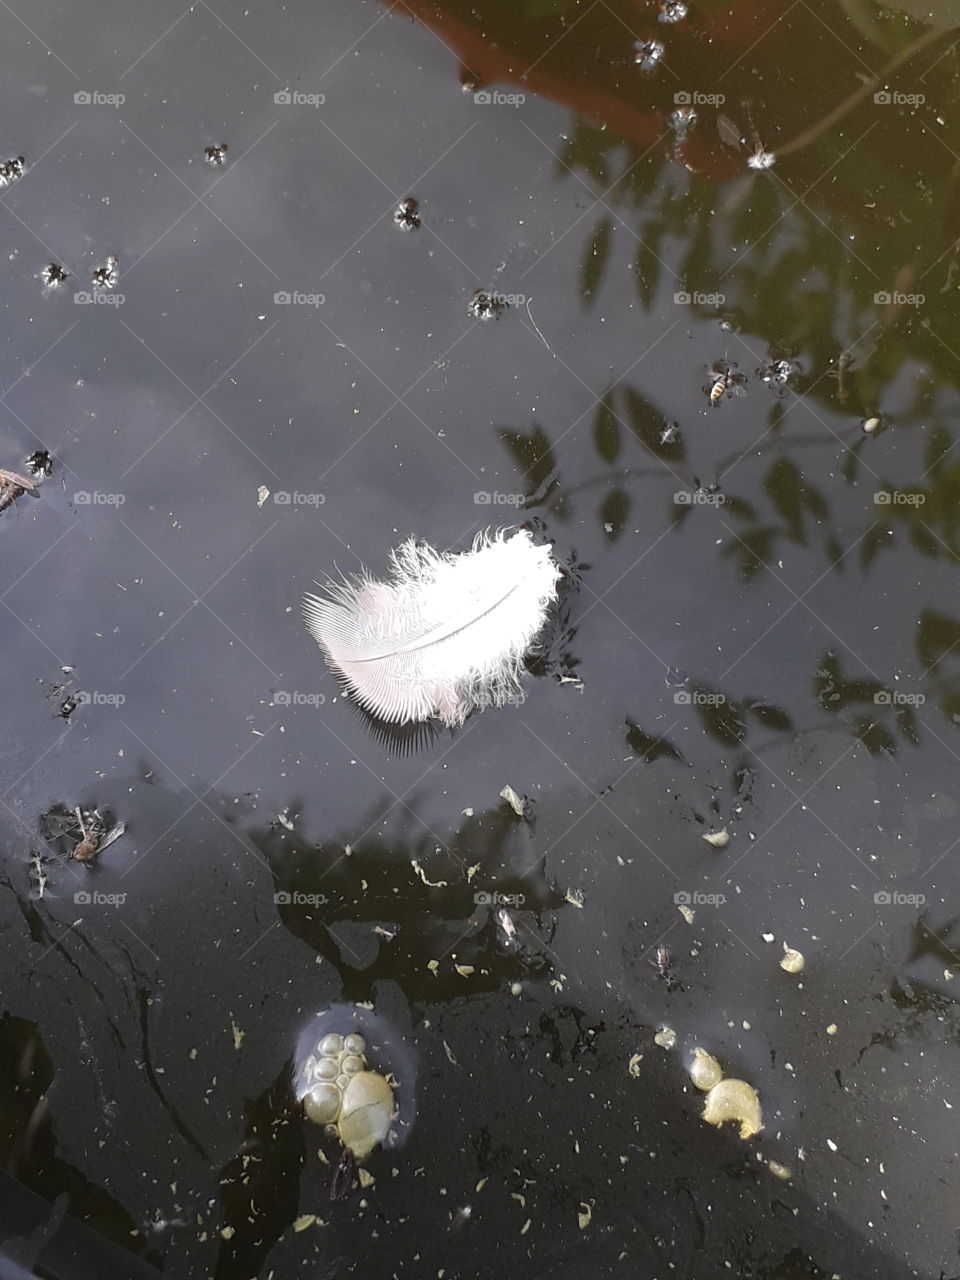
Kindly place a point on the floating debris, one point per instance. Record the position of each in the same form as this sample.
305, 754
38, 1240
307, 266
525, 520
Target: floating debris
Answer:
506, 929
717, 839
483, 304
705, 1071
871, 425
760, 159
11, 171
793, 961
40, 464
777, 373
734, 1100
215, 155
516, 803
431, 884
407, 214
585, 1215
575, 898
53, 275
779, 1170
105, 277
633, 1066
672, 11
263, 493
666, 1038
688, 913
649, 54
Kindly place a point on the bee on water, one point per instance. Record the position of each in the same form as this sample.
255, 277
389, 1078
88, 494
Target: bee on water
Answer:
725, 380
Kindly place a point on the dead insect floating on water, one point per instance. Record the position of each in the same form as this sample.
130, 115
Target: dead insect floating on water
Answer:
95, 837
483, 304
105, 277
649, 54
215, 155
12, 487
407, 214
53, 275
725, 381
11, 171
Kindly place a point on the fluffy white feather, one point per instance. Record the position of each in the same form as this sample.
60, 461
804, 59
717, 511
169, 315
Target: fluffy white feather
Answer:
445, 634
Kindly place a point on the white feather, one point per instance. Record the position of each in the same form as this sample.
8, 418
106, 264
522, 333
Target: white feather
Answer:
445, 634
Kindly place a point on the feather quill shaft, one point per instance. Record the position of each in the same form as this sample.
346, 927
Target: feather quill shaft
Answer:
445, 634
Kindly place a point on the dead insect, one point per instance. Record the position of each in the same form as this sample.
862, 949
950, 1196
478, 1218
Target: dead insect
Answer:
662, 961
12, 487
94, 835
483, 305
407, 214
725, 380
215, 155
343, 1175
40, 463
105, 277
506, 929
11, 170
53, 275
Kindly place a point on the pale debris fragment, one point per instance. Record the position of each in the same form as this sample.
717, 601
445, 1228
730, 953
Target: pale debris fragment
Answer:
305, 1220
585, 1215
464, 970
734, 1100
450, 1055
575, 898
284, 820
793, 960
687, 912
717, 839
779, 1170
666, 1038
263, 493
431, 884
237, 1035
513, 800
871, 425
433, 966
705, 1070
557, 983
832, 1029
633, 1066
365, 1178
472, 871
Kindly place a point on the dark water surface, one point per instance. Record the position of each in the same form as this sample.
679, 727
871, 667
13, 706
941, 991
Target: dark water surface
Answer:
758, 632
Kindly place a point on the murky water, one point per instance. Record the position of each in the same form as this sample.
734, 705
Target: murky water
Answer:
693, 312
